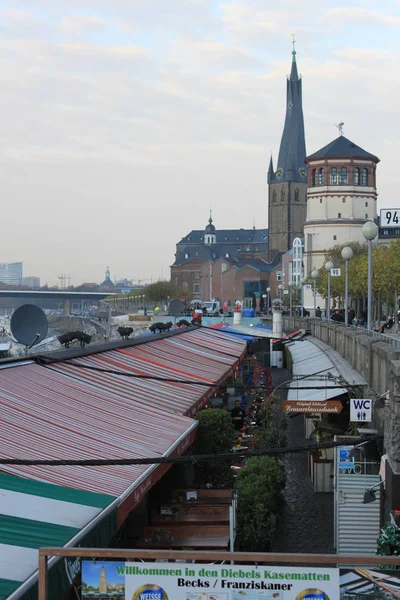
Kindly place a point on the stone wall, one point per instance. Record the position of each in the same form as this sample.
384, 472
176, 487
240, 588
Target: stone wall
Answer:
377, 361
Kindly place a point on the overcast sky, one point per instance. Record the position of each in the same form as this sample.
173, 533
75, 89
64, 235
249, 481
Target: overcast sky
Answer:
124, 121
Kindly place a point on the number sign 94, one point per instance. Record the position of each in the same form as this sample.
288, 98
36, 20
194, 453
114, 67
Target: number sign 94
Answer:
390, 217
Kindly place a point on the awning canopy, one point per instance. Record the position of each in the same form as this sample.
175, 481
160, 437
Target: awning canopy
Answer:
311, 361
67, 411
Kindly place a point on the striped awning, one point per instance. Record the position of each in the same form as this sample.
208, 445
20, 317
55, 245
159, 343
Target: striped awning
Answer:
66, 411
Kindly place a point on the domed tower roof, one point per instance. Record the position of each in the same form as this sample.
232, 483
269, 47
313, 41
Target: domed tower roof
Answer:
210, 227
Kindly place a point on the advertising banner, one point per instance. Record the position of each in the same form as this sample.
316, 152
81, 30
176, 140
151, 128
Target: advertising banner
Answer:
369, 583
187, 581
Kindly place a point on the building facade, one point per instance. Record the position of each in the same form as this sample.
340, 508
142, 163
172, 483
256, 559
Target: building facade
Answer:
11, 273
341, 197
287, 185
203, 255
31, 282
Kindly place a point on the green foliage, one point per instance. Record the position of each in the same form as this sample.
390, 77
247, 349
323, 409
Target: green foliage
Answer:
162, 290
272, 431
388, 543
260, 484
215, 435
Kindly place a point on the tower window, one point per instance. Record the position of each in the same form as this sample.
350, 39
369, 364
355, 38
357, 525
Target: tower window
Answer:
344, 178
356, 176
320, 200
366, 215
343, 199
364, 178
334, 237
274, 195
296, 195
321, 177
283, 194
315, 177
333, 176
366, 204
339, 215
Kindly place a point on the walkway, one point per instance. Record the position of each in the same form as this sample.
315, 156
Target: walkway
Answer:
306, 522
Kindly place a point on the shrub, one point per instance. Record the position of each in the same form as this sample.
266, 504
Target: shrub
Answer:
260, 484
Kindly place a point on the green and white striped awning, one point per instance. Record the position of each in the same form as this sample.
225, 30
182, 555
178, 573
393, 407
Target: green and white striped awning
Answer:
35, 514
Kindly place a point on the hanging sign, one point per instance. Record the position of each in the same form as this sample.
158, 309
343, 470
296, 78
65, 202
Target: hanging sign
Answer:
360, 410
312, 406
188, 581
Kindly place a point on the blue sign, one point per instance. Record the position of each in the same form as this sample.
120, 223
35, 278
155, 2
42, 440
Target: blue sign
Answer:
345, 460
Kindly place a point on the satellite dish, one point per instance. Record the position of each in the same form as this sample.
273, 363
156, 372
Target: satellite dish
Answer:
176, 307
29, 325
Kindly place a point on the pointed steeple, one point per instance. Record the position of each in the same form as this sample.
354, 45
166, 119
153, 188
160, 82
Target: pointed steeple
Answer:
292, 152
270, 169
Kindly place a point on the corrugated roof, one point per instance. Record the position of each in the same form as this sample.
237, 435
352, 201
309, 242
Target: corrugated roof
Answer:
309, 359
64, 411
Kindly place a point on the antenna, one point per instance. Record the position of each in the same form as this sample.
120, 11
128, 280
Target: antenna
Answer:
340, 127
29, 325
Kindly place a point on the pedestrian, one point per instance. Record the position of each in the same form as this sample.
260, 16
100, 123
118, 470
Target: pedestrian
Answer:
318, 312
336, 317
238, 415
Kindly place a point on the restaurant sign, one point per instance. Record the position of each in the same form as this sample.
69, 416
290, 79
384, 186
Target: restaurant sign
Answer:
187, 581
312, 406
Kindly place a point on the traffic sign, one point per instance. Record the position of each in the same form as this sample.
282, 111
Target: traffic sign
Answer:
335, 272
360, 410
390, 217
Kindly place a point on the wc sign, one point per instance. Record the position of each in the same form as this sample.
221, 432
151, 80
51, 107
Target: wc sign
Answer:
360, 410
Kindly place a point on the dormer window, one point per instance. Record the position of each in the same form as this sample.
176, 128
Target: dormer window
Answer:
186, 255
227, 255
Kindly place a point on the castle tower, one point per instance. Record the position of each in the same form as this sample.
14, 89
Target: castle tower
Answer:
103, 581
341, 197
287, 186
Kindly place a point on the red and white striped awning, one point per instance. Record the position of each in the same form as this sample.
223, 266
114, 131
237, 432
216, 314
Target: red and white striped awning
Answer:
203, 356
69, 412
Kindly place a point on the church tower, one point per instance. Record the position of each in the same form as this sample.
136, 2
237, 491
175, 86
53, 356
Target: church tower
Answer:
103, 581
287, 186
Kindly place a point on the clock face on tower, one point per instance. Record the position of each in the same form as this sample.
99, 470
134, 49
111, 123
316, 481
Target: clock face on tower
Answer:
279, 173
302, 172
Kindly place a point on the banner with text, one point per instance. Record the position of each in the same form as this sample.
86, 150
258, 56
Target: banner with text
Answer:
181, 581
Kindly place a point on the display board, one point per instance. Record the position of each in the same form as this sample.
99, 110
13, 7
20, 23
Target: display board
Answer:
187, 581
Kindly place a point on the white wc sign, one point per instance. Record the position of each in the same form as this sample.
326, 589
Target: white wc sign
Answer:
360, 410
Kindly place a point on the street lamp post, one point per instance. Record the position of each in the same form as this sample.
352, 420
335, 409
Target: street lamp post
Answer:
290, 284
328, 267
347, 254
302, 282
314, 275
369, 231
280, 288
268, 290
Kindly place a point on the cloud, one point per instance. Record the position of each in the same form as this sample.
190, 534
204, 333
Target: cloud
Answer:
144, 127
74, 23
361, 16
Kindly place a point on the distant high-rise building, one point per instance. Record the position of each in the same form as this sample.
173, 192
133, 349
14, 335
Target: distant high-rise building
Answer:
287, 185
32, 282
11, 273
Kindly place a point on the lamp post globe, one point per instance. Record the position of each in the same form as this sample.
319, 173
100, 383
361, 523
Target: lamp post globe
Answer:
329, 265
347, 253
268, 290
370, 230
314, 274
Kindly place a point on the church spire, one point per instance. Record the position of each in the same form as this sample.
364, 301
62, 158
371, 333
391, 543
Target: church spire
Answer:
292, 150
270, 169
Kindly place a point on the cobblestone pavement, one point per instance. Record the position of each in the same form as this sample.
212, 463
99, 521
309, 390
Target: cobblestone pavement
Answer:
306, 521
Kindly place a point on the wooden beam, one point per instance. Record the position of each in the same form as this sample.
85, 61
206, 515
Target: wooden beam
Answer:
43, 576
237, 557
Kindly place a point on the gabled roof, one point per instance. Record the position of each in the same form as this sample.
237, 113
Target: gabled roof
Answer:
342, 147
255, 263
